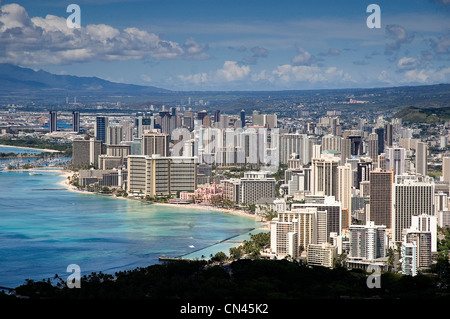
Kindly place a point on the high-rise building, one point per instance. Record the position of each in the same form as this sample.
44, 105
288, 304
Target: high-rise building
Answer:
101, 127
381, 197
388, 134
76, 121
395, 159
363, 169
412, 196
425, 223
217, 116
325, 176
329, 215
155, 175
114, 134
321, 255
243, 118
346, 149
380, 132
368, 241
53, 121
144, 123
155, 143
331, 142
421, 158
255, 186
294, 145
373, 146
344, 194
85, 153
446, 169
188, 119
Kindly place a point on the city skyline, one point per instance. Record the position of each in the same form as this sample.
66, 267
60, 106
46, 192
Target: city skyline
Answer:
198, 45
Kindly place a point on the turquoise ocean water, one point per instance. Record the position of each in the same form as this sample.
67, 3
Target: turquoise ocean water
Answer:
44, 228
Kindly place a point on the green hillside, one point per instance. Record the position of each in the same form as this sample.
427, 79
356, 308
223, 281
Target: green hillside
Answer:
423, 115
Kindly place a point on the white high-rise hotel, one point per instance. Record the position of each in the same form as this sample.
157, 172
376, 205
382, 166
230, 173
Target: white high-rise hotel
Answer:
412, 195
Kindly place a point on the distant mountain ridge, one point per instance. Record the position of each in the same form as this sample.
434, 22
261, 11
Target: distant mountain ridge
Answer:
15, 79
424, 115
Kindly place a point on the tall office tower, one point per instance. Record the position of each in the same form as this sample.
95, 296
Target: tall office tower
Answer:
101, 127
86, 152
165, 118
446, 169
201, 115
76, 121
155, 143
53, 121
344, 194
324, 176
363, 168
368, 241
188, 119
329, 215
256, 185
388, 135
372, 151
114, 134
144, 123
270, 120
331, 143
346, 150
395, 159
258, 118
381, 197
412, 195
243, 118
421, 158
380, 132
217, 116
207, 121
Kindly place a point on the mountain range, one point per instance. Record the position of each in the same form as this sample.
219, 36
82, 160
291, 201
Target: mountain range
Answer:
15, 79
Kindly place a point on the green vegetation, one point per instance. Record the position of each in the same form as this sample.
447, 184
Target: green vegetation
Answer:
423, 115
65, 148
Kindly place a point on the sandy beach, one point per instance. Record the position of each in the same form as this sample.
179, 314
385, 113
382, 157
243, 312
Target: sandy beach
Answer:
65, 183
32, 148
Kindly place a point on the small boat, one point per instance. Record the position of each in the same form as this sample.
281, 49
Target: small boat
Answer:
34, 173
191, 246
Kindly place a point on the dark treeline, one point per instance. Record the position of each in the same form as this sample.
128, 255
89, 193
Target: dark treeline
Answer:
240, 279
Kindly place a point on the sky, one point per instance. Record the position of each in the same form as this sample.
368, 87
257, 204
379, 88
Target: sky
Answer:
206, 45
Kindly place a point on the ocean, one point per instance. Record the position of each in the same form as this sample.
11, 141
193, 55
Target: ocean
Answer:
44, 228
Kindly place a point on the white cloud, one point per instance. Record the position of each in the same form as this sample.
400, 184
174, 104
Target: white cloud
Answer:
34, 41
312, 74
407, 63
195, 79
303, 57
231, 71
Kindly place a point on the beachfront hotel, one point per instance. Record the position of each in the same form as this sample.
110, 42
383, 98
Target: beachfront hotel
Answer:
158, 175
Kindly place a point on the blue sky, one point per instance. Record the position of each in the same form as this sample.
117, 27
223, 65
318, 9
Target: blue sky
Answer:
233, 45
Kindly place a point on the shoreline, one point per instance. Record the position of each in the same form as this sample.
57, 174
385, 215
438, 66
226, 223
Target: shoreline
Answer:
264, 224
45, 150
